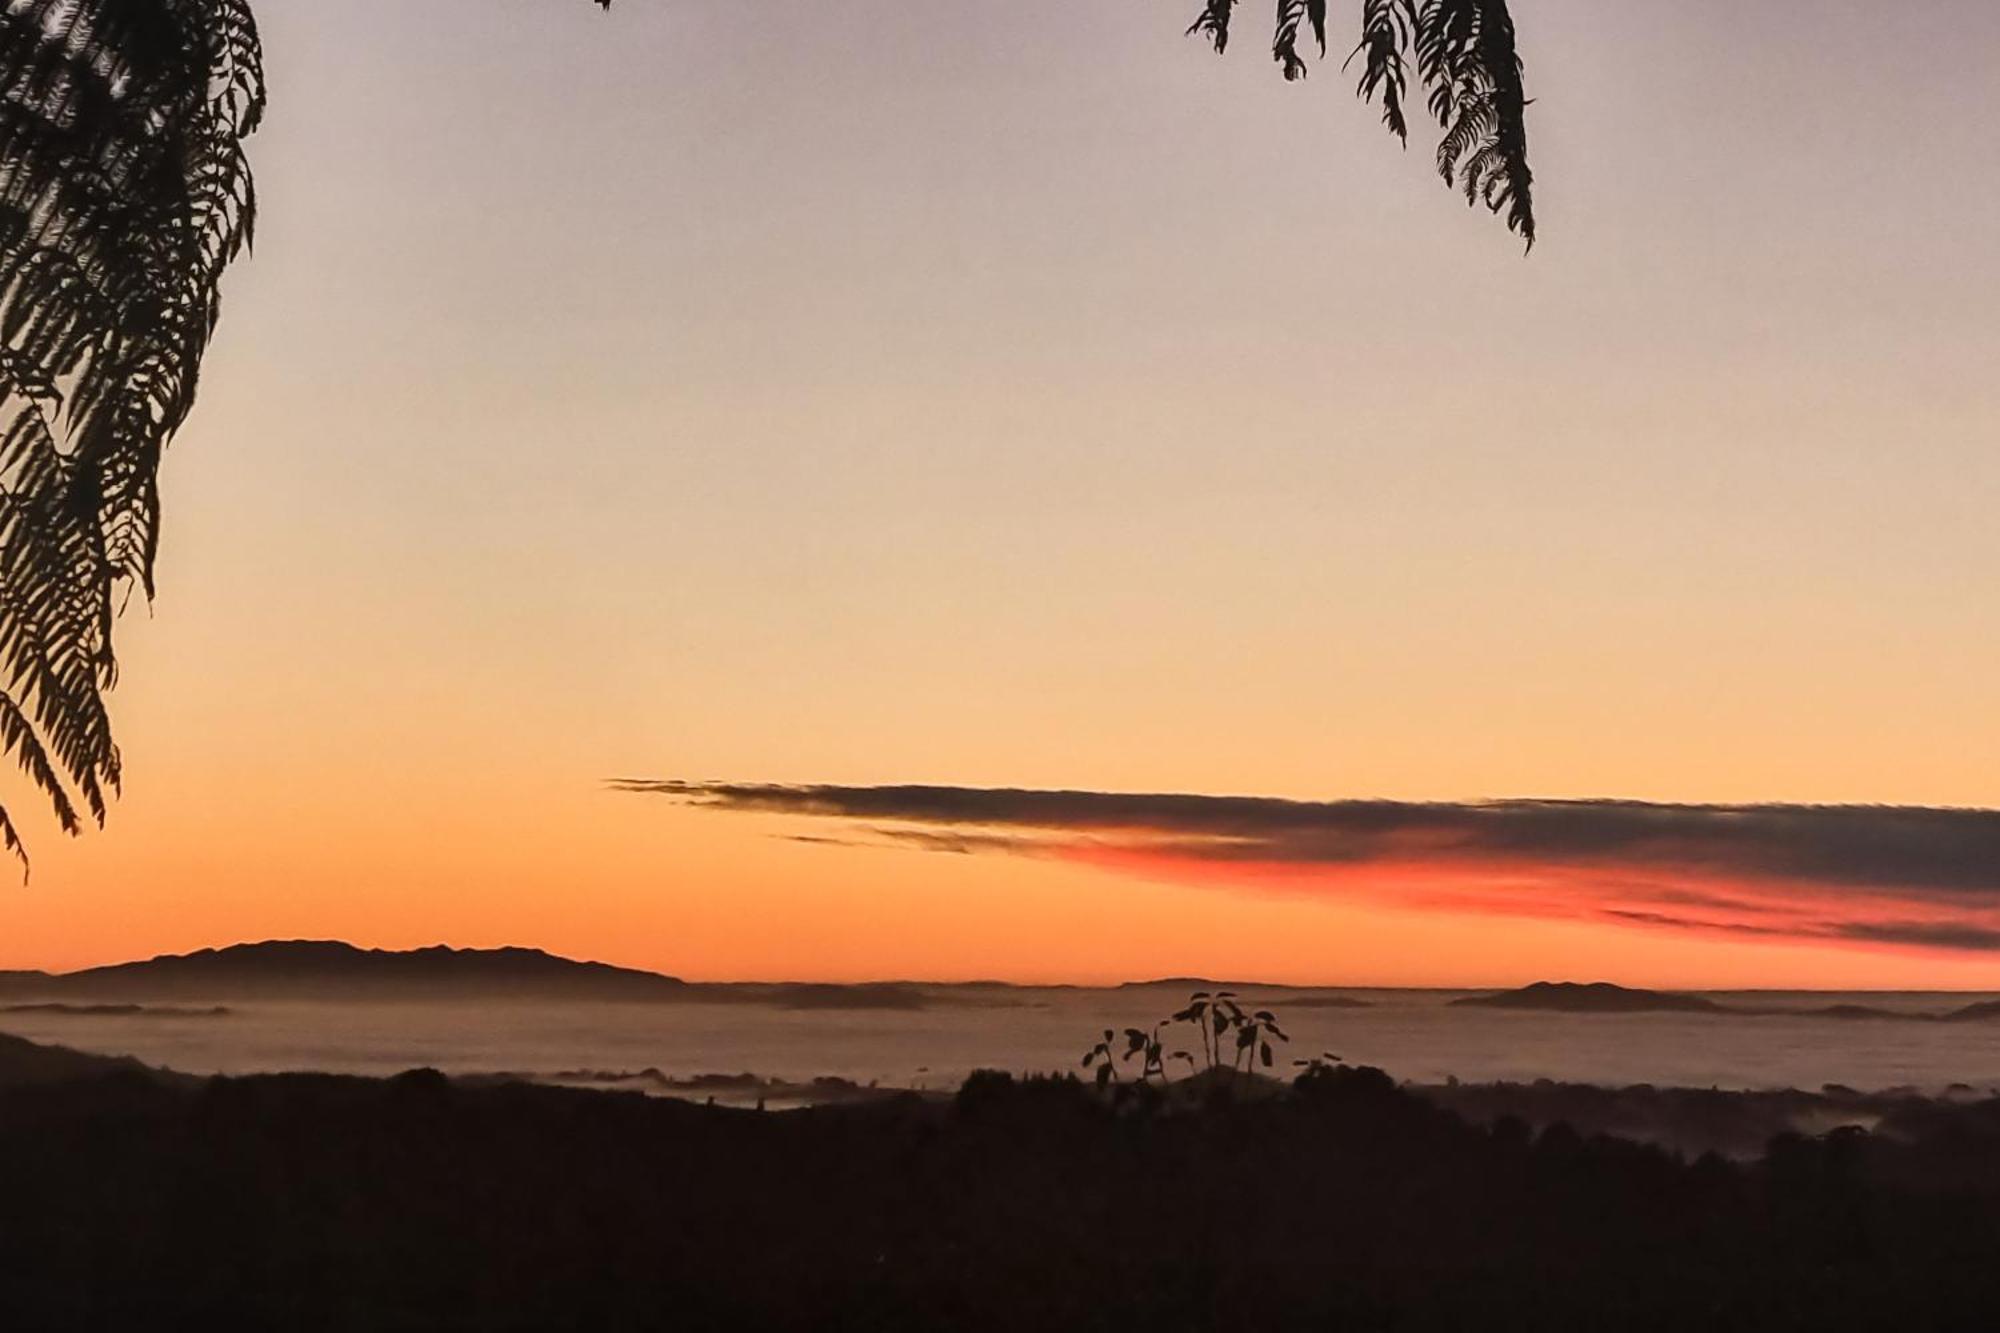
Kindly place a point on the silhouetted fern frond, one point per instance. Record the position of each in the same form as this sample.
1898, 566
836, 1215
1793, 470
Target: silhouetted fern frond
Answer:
1213, 23
1465, 55
124, 194
1285, 46
1386, 29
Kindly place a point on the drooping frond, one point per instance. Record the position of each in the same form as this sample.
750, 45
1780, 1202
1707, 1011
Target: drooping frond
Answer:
1285, 46
124, 193
1465, 55
1213, 23
1387, 27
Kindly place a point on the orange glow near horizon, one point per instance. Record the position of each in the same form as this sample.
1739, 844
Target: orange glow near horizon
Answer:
714, 898
1740, 907
776, 435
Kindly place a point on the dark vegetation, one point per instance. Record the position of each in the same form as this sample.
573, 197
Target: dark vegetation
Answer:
728, 1089
1224, 1037
1694, 1121
26, 1064
1337, 1202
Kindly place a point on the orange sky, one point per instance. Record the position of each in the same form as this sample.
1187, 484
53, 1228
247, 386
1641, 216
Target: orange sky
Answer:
1022, 396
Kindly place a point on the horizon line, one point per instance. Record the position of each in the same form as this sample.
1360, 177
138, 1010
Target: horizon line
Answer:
1130, 982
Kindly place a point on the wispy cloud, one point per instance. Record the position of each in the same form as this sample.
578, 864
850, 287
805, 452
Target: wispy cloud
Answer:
1899, 876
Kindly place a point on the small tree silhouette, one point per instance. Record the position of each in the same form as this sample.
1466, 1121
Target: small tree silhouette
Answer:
1212, 1016
1254, 1036
1104, 1058
1215, 1016
1149, 1046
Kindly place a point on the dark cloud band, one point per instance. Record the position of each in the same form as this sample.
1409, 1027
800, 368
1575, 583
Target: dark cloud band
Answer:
1921, 877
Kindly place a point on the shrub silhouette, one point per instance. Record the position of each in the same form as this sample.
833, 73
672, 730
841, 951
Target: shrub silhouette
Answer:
1342, 1202
1214, 1017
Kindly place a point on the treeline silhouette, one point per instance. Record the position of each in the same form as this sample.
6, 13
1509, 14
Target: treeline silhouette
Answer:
1338, 1202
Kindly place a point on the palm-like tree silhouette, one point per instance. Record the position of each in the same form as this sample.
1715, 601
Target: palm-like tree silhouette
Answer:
125, 192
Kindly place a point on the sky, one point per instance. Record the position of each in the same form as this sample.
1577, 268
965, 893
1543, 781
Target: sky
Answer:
853, 394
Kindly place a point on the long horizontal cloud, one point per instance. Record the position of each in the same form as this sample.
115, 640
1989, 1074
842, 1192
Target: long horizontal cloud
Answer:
1913, 877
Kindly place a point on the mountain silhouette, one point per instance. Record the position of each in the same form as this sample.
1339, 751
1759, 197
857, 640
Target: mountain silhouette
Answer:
329, 969
1597, 997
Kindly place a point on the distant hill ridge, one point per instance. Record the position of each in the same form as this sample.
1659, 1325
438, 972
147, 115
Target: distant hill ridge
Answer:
331, 970
1602, 997
1259, 992
1595, 997
336, 970
307, 969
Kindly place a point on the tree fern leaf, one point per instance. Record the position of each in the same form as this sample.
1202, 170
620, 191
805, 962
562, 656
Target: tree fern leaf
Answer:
1213, 23
1285, 44
1386, 27
125, 193
1467, 58
17, 737
1469, 69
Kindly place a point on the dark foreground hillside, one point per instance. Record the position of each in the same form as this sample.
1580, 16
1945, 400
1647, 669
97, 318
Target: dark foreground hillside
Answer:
305, 1202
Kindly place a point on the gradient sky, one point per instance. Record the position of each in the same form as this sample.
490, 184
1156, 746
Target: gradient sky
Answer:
858, 392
